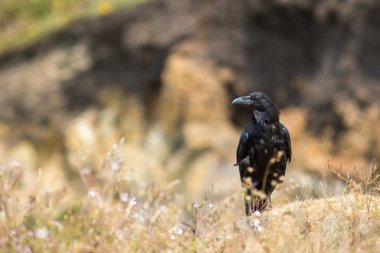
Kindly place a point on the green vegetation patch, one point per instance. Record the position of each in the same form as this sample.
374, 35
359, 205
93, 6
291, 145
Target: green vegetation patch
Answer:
25, 21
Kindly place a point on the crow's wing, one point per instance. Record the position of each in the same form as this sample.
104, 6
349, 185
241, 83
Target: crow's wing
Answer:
242, 157
286, 136
242, 149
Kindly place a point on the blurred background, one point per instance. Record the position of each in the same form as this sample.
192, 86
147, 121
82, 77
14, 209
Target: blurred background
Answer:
156, 78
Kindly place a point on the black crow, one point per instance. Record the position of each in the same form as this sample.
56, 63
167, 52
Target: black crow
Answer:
263, 151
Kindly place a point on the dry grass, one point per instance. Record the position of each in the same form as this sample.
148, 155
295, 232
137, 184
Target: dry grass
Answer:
118, 216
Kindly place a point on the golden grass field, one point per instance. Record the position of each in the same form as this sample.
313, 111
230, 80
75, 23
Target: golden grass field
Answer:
117, 216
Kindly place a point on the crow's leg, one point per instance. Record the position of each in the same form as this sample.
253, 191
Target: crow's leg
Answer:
247, 209
248, 201
252, 205
270, 201
260, 204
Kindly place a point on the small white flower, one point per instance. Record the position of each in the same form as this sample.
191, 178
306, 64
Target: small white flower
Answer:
47, 190
85, 171
15, 164
256, 223
210, 205
172, 237
41, 233
132, 201
124, 197
195, 205
13, 232
163, 208
115, 166
260, 228
92, 193
257, 213
138, 217
179, 231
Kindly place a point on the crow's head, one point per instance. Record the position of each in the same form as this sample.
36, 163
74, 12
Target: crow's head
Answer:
258, 101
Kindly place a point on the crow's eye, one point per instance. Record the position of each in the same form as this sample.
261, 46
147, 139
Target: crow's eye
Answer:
259, 106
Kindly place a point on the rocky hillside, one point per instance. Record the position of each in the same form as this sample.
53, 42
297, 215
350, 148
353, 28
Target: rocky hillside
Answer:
163, 75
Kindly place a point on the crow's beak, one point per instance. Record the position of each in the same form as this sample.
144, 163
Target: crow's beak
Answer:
243, 101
